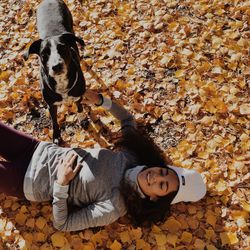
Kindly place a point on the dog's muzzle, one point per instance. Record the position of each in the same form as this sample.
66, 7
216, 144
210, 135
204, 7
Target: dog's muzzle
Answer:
57, 68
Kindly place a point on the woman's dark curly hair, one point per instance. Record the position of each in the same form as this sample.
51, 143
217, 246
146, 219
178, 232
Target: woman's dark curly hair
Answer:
143, 212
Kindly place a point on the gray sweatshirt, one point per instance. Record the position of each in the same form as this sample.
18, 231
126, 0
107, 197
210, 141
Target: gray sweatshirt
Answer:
94, 192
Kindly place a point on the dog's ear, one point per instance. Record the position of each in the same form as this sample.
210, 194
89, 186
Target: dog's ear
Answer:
33, 49
70, 38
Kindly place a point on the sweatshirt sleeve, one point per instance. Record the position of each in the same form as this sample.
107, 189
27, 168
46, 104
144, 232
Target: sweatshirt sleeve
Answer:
97, 214
119, 112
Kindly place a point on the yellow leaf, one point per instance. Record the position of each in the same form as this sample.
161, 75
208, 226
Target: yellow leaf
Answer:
192, 209
173, 26
172, 225
211, 247
245, 206
39, 237
160, 238
4, 76
236, 214
40, 223
215, 105
245, 109
15, 206
2, 224
141, 244
58, 239
178, 117
97, 238
131, 71
186, 52
221, 186
228, 238
216, 42
165, 60
88, 246
156, 229
30, 222
209, 234
205, 67
186, 237
186, 147
46, 246
211, 218
24, 209
28, 237
193, 222
135, 233
116, 245
220, 105
199, 244
20, 218
180, 73
7, 203
217, 70
172, 239
124, 236
208, 90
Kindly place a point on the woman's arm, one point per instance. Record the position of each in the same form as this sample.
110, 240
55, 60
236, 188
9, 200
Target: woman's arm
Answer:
94, 215
119, 112
97, 214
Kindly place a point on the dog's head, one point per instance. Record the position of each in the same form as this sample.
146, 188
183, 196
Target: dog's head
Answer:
55, 52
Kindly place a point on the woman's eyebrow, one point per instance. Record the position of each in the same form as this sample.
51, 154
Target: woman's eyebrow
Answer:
166, 186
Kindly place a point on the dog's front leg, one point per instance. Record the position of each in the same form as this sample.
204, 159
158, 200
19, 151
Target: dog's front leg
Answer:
56, 131
79, 105
82, 119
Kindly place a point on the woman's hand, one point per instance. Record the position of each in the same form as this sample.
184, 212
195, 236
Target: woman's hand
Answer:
91, 97
65, 171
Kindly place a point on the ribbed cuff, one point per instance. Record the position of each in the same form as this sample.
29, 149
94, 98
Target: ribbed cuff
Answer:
101, 98
107, 103
60, 191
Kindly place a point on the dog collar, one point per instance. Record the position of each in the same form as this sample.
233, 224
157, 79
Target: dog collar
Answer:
74, 82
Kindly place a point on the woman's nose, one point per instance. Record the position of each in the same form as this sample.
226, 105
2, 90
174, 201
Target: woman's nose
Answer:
158, 178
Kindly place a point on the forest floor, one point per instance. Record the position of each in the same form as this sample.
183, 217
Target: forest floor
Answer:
183, 69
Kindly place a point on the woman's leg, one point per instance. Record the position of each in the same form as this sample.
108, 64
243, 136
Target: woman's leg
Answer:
15, 144
12, 176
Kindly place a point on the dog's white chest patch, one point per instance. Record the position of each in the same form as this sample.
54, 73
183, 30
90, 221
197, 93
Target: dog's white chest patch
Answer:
61, 84
62, 89
68, 100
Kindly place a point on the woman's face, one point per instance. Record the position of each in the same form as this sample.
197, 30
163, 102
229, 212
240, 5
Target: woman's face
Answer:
157, 181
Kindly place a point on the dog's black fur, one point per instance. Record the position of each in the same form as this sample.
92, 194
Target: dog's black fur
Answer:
61, 77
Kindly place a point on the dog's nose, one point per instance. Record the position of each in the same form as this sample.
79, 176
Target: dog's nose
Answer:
57, 68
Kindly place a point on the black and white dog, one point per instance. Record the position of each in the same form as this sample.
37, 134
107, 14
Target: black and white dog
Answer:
61, 77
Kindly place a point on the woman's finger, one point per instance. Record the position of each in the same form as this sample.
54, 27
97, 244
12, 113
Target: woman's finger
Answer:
69, 157
77, 168
72, 159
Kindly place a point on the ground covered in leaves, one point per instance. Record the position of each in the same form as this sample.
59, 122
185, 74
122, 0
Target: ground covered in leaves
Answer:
183, 69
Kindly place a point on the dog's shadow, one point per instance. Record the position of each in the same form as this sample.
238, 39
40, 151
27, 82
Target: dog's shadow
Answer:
91, 123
